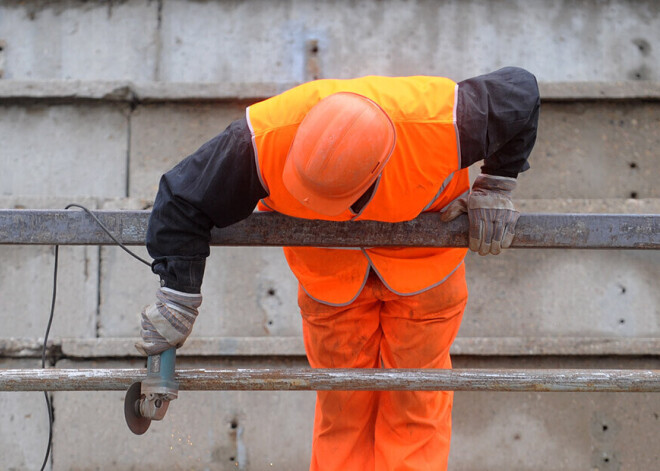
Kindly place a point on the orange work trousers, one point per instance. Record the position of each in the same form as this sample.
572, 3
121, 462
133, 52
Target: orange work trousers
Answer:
383, 430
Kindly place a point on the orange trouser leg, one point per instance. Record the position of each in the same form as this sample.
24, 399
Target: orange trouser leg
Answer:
413, 428
347, 337
388, 430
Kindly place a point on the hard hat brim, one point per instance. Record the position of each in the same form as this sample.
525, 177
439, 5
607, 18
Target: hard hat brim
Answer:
311, 199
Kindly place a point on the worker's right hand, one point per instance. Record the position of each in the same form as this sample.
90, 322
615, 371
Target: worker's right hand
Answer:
168, 322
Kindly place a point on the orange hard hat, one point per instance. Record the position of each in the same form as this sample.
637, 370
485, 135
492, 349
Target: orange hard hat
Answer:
338, 151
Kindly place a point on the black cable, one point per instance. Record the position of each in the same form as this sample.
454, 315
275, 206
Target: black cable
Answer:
108, 232
43, 359
52, 312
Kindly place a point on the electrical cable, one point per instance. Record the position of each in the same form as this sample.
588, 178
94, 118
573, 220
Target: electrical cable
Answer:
43, 359
72, 205
52, 312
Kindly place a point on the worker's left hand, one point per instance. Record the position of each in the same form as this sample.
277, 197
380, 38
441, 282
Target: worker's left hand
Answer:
490, 211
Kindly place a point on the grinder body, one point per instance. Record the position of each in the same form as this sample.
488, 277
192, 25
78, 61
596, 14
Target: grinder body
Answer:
149, 400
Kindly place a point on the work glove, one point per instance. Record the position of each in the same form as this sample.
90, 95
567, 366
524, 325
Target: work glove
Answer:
168, 322
490, 211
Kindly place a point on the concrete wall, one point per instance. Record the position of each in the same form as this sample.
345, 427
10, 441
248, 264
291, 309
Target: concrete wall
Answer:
264, 41
66, 137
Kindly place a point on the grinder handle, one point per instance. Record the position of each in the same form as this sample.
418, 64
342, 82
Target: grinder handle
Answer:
160, 369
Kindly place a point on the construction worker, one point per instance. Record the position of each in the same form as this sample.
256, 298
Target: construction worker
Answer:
376, 148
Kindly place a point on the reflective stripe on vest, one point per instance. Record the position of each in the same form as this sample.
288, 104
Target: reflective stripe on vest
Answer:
423, 174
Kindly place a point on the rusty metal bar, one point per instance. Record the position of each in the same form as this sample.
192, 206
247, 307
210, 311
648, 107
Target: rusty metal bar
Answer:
584, 231
341, 380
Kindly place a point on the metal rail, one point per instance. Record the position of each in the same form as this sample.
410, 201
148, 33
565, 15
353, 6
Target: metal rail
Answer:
341, 380
594, 231
578, 231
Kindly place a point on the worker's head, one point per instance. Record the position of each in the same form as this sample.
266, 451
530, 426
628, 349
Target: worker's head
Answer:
338, 152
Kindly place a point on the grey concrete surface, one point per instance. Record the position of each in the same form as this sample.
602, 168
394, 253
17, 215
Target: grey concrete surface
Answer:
26, 291
63, 151
554, 431
594, 150
162, 135
24, 430
202, 430
572, 293
72, 91
258, 40
247, 292
26, 281
401, 38
592, 205
66, 90
80, 40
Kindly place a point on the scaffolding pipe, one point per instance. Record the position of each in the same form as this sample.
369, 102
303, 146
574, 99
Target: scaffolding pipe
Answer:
560, 380
577, 231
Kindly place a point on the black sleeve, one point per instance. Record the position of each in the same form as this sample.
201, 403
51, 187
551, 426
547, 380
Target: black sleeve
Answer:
218, 185
497, 116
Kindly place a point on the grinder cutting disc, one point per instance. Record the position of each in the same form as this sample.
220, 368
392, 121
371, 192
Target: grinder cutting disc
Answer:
134, 420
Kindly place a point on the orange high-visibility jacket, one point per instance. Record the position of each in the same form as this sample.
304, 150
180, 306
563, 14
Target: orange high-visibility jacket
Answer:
423, 174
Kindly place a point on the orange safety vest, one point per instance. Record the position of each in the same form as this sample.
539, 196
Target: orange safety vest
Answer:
422, 175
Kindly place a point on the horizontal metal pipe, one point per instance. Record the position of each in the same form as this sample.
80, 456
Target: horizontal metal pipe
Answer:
341, 380
579, 231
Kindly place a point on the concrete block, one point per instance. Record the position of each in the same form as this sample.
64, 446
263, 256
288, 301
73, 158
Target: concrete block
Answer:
566, 292
251, 292
563, 293
163, 135
24, 419
27, 282
571, 41
555, 431
26, 291
126, 286
247, 292
594, 150
80, 40
202, 430
63, 150
595, 90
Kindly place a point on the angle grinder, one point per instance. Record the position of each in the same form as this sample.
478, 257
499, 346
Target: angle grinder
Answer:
149, 399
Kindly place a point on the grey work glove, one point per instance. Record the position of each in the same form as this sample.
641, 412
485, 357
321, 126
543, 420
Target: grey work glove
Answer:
490, 211
168, 322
